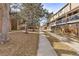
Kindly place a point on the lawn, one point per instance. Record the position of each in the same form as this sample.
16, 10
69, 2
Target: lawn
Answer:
60, 48
20, 44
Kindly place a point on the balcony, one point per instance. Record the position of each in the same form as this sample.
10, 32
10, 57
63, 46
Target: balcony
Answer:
73, 18
61, 21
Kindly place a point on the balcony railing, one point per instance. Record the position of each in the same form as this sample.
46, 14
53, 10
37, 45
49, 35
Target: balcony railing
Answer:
71, 19
61, 21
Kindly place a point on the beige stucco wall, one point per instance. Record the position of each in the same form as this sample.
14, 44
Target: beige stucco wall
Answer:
56, 16
61, 12
67, 8
51, 19
74, 5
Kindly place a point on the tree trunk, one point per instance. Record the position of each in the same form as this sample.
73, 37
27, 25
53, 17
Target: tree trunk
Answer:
5, 23
33, 27
26, 28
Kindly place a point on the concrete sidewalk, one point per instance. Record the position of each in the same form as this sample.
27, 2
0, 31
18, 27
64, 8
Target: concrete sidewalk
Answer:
67, 41
45, 48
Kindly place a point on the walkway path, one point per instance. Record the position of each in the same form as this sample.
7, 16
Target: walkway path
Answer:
45, 48
67, 41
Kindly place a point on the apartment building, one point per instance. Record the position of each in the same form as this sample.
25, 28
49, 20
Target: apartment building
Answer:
66, 20
13, 20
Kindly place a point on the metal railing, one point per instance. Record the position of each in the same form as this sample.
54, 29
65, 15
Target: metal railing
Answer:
68, 19
73, 17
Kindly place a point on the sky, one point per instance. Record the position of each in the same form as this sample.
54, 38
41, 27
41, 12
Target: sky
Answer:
53, 7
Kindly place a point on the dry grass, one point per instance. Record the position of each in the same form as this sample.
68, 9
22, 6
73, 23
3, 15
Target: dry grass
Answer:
69, 36
20, 44
60, 48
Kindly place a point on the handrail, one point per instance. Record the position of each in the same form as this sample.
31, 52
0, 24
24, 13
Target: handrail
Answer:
60, 22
